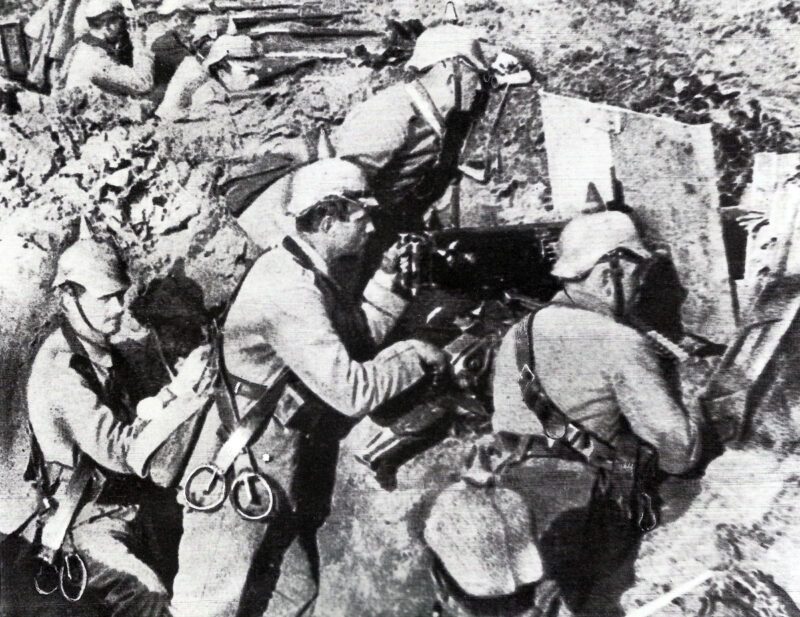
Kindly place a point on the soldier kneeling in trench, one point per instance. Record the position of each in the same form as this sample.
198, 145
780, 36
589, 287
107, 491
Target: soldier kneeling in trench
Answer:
103, 528
585, 416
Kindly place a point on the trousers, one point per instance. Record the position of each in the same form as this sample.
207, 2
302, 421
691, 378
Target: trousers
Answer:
122, 582
586, 542
233, 567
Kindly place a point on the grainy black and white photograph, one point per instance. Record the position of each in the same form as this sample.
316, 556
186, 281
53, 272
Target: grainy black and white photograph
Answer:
350, 308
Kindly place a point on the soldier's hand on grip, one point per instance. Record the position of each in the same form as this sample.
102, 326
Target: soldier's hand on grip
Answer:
431, 356
393, 257
404, 261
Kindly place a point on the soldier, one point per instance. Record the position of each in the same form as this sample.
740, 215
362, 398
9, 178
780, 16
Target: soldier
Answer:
484, 559
408, 137
90, 446
300, 355
583, 395
230, 66
111, 57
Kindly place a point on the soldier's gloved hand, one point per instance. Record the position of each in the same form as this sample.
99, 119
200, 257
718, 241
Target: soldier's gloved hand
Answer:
390, 272
431, 356
392, 258
194, 373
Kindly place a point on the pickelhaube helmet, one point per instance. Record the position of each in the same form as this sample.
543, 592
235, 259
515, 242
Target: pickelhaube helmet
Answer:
588, 238
93, 265
332, 177
445, 42
483, 536
234, 46
96, 8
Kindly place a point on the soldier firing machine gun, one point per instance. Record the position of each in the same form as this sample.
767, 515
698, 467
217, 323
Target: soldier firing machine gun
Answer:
469, 286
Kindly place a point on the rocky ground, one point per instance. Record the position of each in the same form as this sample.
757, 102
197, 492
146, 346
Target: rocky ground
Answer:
153, 187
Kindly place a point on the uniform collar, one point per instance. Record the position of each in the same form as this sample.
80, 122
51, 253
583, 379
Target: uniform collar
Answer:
581, 300
315, 258
99, 356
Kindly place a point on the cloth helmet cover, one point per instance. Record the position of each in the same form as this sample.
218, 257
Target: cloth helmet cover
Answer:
324, 178
589, 237
445, 42
95, 8
231, 46
94, 266
484, 538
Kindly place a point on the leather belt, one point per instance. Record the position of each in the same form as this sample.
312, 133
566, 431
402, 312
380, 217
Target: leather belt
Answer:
596, 454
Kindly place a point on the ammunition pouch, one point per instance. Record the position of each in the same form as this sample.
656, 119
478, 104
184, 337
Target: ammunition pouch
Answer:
632, 482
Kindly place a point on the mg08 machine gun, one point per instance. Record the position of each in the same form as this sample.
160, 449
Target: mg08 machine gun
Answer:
469, 286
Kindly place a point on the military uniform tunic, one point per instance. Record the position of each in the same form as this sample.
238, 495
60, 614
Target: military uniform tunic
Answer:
606, 377
409, 157
289, 312
91, 67
601, 374
79, 406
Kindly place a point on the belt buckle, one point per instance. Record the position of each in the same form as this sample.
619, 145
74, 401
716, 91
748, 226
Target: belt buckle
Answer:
214, 493
260, 499
74, 576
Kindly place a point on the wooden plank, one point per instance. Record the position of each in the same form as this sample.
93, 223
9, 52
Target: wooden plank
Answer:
771, 206
668, 177
578, 152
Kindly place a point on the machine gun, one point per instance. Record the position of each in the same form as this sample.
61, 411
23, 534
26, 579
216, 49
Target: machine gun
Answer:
468, 287
495, 258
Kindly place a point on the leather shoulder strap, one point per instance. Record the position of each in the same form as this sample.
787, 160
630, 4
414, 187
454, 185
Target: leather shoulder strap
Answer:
422, 103
533, 393
523, 338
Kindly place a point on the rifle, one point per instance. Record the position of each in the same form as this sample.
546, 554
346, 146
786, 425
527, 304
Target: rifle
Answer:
259, 16
303, 31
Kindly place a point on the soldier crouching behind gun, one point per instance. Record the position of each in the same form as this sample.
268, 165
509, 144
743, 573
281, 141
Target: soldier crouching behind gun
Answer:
98, 525
580, 398
301, 367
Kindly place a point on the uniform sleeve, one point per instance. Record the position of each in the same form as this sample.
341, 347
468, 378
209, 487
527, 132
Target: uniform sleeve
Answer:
372, 133
81, 419
307, 342
136, 80
178, 96
653, 413
381, 306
